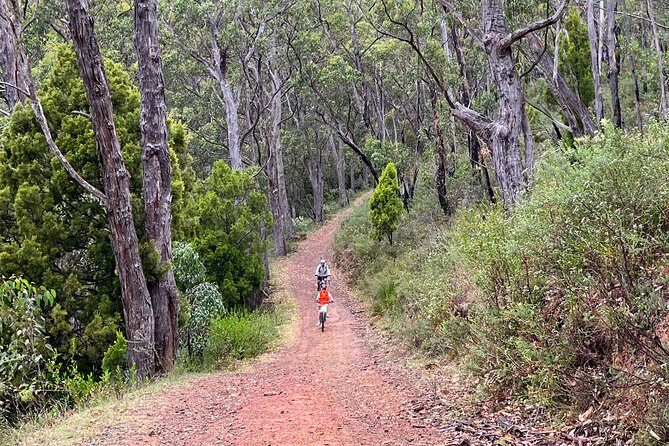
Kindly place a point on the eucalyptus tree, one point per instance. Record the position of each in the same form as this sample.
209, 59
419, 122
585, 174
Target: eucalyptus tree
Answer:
13, 61
157, 181
506, 133
137, 304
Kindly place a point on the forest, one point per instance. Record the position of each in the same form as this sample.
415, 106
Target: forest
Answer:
156, 156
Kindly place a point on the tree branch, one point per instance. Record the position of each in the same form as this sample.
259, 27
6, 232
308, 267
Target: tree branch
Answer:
41, 120
536, 26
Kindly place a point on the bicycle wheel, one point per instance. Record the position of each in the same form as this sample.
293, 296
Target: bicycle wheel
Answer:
321, 317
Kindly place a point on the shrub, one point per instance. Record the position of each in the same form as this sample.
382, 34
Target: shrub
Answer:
385, 205
114, 361
28, 371
239, 335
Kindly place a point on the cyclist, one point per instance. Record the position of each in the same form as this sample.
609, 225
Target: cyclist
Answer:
324, 297
322, 273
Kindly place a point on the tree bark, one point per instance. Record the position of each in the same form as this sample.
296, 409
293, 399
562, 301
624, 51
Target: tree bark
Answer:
13, 62
352, 176
137, 308
157, 181
338, 155
614, 68
664, 108
595, 61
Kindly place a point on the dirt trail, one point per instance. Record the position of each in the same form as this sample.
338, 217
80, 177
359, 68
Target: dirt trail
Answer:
327, 388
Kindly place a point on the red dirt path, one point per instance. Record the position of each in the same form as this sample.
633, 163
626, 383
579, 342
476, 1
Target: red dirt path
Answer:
330, 388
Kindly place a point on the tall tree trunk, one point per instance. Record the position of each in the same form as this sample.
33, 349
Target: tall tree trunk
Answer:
664, 108
316, 176
13, 62
440, 160
275, 139
137, 307
614, 67
595, 61
352, 176
157, 181
338, 156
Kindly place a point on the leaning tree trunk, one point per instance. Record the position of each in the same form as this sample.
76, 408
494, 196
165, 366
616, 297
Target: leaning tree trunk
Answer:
614, 67
116, 179
338, 155
157, 181
595, 61
664, 108
13, 62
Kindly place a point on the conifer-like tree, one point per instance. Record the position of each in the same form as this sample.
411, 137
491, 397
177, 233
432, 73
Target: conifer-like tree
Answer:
385, 205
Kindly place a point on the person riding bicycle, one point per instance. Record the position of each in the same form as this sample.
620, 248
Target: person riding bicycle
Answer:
322, 273
324, 296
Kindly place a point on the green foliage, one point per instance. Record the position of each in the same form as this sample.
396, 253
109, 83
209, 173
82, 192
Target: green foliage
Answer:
575, 60
201, 302
114, 360
239, 335
230, 214
552, 304
53, 233
385, 205
28, 371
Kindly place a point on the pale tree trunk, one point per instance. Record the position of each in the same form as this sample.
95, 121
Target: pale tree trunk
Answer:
338, 155
13, 62
157, 181
316, 176
137, 307
595, 61
218, 70
275, 140
614, 68
664, 108
352, 176
503, 134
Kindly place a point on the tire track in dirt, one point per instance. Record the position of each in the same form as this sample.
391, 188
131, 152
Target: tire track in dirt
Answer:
320, 389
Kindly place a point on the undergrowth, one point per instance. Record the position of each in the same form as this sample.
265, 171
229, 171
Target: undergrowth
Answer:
561, 305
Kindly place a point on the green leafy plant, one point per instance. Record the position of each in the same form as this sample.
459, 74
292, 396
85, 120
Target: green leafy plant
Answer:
385, 205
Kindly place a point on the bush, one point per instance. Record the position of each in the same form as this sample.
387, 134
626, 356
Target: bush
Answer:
239, 335
561, 304
114, 361
385, 205
28, 370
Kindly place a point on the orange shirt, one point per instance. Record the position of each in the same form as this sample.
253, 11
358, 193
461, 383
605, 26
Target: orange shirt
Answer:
323, 297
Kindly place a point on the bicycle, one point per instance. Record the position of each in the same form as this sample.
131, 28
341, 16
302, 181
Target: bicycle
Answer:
323, 314
322, 280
